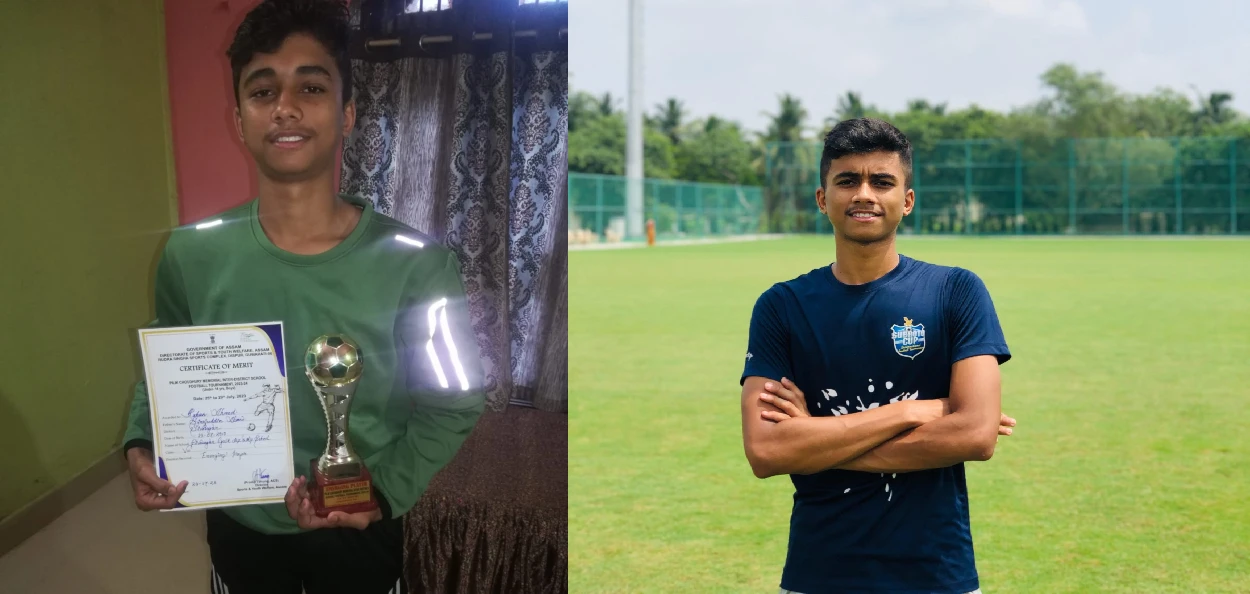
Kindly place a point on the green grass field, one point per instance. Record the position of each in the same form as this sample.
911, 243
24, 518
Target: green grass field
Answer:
1129, 471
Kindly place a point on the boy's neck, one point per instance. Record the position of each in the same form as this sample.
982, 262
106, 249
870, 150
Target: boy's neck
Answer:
857, 264
305, 217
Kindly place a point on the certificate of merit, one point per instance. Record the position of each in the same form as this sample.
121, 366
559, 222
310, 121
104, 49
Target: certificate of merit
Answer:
218, 397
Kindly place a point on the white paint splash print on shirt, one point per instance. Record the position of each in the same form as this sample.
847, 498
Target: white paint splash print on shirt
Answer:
905, 396
834, 410
837, 411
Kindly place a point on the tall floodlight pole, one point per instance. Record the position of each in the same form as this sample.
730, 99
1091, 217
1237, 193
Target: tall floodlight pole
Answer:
633, 130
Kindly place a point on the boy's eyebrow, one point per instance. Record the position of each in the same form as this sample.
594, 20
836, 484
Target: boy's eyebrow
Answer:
313, 69
270, 73
262, 73
853, 175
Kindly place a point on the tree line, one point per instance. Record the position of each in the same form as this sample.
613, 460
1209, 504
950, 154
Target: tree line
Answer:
1075, 104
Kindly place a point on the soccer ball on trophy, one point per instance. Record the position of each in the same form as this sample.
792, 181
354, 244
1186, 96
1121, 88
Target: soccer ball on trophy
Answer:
333, 360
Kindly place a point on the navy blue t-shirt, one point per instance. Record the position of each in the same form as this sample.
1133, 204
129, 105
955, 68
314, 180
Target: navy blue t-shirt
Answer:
851, 348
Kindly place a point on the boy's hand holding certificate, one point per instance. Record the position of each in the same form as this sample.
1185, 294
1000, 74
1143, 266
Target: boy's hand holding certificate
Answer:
218, 396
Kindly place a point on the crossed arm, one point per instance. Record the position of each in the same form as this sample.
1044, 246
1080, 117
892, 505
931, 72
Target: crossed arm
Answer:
780, 437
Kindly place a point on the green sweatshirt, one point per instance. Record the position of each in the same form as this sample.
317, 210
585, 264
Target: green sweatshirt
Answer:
382, 286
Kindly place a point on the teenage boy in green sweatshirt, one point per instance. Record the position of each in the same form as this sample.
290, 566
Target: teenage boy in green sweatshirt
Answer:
321, 263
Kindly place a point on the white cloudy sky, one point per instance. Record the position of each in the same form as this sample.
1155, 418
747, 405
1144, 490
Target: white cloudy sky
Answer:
734, 57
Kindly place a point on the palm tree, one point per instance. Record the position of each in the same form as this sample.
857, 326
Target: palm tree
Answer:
787, 123
607, 104
712, 124
923, 106
1214, 108
852, 106
786, 127
669, 117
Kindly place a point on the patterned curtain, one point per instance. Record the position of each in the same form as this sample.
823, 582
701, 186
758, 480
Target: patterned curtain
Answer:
473, 152
538, 248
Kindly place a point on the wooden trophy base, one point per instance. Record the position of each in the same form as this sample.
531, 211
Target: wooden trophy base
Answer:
349, 495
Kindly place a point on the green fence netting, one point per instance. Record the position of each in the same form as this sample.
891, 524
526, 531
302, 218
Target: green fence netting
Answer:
679, 208
1074, 186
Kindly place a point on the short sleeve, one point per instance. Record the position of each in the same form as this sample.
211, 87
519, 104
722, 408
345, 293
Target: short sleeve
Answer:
768, 342
972, 319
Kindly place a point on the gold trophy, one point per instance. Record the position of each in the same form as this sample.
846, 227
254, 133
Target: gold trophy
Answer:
340, 481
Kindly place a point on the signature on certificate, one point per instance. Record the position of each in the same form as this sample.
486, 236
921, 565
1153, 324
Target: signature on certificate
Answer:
260, 475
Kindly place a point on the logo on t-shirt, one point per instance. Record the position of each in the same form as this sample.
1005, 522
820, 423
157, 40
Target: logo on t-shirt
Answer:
908, 338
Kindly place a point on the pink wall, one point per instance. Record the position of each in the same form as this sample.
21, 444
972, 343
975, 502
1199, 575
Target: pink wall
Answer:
214, 171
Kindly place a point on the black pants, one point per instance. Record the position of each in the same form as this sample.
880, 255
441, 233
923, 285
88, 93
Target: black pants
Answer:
325, 561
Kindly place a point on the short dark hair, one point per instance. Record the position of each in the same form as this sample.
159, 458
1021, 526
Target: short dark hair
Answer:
267, 26
861, 136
